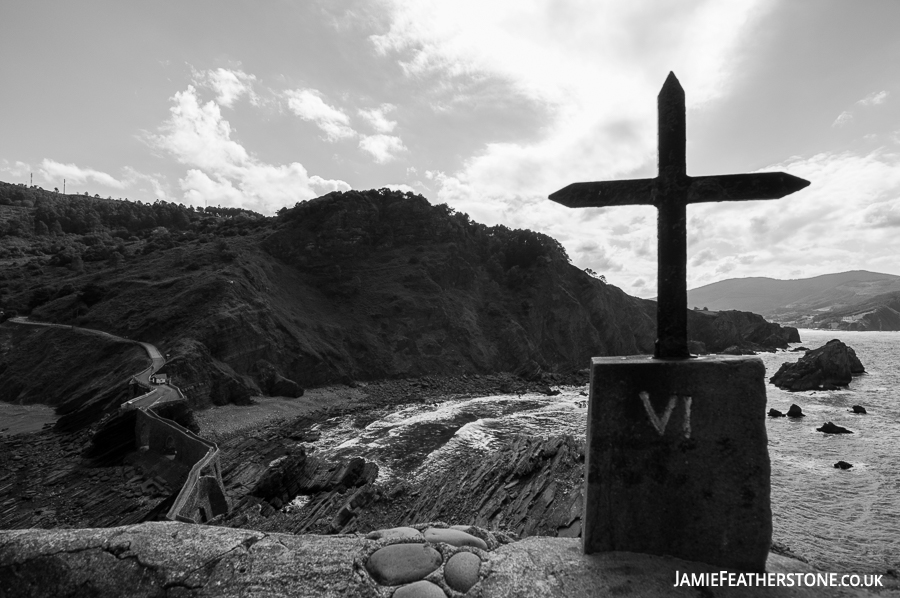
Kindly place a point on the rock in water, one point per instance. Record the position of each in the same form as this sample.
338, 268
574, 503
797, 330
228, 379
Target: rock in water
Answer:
825, 368
842, 465
775, 413
830, 428
859, 409
795, 411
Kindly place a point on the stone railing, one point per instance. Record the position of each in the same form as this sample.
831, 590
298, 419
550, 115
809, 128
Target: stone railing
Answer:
136, 402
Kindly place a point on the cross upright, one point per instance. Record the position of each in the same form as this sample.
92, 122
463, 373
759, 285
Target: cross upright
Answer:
670, 192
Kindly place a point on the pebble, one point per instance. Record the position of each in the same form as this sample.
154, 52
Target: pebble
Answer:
394, 533
461, 571
453, 537
420, 589
403, 563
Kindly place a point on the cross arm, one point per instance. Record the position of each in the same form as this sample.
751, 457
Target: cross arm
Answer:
737, 187
606, 193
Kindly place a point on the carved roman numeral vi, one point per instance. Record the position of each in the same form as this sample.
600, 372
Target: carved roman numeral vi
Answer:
660, 423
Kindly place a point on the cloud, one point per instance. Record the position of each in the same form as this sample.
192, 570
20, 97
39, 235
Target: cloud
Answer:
309, 105
383, 148
52, 170
158, 186
593, 78
842, 119
15, 169
197, 135
221, 171
848, 215
884, 215
229, 85
376, 118
701, 257
874, 98
401, 187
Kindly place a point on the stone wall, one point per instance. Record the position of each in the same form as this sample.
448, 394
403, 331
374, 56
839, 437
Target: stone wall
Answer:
202, 496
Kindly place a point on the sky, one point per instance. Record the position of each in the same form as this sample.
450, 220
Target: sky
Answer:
487, 106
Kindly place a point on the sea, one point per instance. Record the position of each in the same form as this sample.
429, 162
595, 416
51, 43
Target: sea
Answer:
838, 520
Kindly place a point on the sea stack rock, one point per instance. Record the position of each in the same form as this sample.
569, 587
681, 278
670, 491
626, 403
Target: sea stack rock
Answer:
825, 368
830, 428
842, 465
795, 411
775, 413
859, 409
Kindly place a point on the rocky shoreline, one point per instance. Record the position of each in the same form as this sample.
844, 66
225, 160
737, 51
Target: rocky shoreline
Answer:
47, 482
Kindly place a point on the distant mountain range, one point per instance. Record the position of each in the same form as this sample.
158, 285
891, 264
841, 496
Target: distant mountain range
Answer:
856, 300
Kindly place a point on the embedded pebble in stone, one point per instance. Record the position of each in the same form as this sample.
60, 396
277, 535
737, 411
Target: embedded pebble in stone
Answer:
394, 533
453, 537
403, 563
420, 589
461, 571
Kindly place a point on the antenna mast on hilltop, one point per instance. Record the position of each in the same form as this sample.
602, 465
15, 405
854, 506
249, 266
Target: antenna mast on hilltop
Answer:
31, 180
64, 186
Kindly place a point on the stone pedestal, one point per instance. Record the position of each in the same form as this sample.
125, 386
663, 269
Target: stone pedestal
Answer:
677, 461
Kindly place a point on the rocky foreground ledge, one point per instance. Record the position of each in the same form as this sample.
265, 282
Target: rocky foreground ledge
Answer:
176, 559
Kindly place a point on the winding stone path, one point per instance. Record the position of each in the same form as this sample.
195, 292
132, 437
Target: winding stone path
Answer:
161, 393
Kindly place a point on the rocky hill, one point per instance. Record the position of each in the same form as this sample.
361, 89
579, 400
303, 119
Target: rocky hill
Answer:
881, 312
856, 300
348, 286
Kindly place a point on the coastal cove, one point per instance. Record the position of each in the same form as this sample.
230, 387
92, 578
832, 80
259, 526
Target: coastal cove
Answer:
837, 520
840, 519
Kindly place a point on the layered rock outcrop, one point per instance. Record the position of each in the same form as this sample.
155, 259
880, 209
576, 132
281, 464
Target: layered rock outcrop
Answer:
826, 368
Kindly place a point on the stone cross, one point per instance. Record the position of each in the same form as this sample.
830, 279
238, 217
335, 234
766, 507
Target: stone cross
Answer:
676, 460
670, 192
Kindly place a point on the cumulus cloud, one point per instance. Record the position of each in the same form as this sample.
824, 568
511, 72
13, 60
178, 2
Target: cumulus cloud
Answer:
376, 118
197, 135
229, 85
52, 170
309, 105
221, 170
383, 148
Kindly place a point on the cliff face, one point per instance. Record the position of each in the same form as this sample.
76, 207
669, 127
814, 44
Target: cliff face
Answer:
721, 330
414, 289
